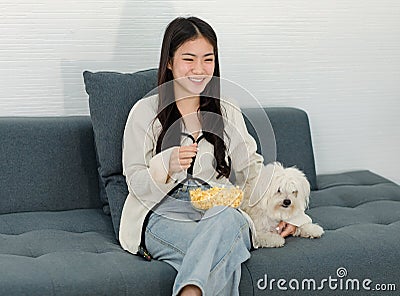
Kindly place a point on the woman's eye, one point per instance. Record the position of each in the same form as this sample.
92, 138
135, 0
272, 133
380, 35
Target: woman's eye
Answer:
209, 60
189, 60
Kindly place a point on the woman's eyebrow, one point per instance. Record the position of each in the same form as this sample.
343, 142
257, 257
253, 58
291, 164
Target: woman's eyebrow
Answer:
193, 55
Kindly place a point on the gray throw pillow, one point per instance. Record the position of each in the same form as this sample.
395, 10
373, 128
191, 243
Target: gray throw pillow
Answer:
111, 97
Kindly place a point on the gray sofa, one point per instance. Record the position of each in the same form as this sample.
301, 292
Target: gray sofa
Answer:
60, 205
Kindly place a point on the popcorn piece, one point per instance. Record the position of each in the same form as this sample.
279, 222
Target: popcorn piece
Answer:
216, 196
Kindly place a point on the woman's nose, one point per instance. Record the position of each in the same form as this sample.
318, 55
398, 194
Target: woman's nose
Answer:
198, 68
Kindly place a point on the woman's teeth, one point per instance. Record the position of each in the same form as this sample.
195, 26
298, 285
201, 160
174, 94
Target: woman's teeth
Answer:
196, 79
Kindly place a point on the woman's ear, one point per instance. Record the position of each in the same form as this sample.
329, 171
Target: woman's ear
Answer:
169, 65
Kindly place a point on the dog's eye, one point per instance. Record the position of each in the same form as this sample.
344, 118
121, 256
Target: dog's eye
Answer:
279, 190
295, 192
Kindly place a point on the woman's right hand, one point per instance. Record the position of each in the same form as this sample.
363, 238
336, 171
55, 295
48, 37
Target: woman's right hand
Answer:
181, 158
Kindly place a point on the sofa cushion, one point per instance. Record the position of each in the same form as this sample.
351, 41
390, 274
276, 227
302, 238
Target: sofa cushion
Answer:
111, 97
75, 221
353, 189
75, 253
47, 164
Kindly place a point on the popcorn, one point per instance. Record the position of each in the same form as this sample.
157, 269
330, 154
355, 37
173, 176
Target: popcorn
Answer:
216, 196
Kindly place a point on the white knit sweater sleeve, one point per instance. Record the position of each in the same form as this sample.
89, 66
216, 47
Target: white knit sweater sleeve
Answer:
246, 162
145, 173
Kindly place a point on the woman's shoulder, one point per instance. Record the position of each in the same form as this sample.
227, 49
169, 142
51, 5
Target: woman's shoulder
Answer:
146, 106
230, 107
143, 111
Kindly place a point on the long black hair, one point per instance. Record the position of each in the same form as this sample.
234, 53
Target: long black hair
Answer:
178, 32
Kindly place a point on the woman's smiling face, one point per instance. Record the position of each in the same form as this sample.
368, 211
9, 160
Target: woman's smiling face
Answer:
192, 67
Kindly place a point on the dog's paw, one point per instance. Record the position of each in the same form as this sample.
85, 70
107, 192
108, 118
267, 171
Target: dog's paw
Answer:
310, 230
270, 240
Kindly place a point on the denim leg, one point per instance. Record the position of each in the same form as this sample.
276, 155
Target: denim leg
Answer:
221, 242
170, 229
207, 254
167, 239
178, 205
231, 287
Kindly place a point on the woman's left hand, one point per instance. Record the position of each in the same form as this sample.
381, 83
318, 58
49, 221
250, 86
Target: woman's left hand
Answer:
286, 229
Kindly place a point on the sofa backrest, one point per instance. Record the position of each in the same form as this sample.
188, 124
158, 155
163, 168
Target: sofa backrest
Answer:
47, 164
291, 131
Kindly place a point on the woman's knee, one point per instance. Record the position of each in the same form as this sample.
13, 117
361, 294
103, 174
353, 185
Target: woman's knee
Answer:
227, 217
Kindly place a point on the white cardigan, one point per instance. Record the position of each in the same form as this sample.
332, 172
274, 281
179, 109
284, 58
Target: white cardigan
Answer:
146, 172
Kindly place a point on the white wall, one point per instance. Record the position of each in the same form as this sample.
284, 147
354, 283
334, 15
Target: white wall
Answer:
338, 60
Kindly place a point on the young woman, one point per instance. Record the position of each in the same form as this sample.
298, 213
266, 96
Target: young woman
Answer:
184, 137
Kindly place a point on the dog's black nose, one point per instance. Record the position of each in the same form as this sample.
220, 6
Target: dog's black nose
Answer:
287, 202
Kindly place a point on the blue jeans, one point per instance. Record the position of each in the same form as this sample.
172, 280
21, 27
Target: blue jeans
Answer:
205, 247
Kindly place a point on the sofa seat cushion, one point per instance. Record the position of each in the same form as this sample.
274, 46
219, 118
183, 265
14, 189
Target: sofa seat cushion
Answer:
72, 253
34, 234
357, 197
360, 213
84, 273
352, 189
77, 221
76, 253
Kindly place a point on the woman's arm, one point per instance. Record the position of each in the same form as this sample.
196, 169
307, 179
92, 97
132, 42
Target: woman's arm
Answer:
246, 162
146, 174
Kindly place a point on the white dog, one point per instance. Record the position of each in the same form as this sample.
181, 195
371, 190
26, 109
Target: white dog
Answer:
281, 194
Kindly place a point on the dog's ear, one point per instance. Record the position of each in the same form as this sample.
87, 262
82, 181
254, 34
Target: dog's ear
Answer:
277, 165
263, 184
305, 191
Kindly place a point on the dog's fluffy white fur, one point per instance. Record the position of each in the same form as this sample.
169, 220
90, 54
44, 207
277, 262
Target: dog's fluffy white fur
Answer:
282, 194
